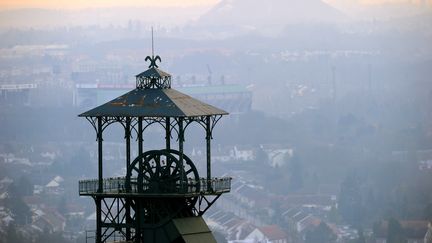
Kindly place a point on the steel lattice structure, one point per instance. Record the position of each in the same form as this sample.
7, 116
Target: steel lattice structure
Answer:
161, 191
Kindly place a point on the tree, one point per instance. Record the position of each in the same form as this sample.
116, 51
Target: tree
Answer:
428, 236
25, 188
61, 207
428, 212
47, 236
261, 156
78, 163
361, 238
320, 234
12, 235
18, 207
334, 215
295, 171
395, 232
350, 201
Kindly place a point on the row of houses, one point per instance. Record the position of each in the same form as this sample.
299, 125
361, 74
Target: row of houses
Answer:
276, 155
248, 207
42, 216
238, 230
42, 196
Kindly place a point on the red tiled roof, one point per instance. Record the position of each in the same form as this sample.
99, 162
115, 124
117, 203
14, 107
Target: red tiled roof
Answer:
273, 232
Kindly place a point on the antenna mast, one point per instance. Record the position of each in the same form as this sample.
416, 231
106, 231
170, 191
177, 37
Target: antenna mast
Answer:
153, 58
152, 42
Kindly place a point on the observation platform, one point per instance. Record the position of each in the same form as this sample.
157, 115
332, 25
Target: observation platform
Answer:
116, 187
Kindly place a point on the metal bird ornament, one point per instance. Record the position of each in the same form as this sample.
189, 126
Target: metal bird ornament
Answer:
153, 60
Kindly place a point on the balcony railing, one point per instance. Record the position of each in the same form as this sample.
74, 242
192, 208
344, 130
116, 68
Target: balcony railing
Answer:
118, 185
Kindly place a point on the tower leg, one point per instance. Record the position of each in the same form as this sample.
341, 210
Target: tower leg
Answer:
208, 153
128, 158
98, 236
128, 220
138, 233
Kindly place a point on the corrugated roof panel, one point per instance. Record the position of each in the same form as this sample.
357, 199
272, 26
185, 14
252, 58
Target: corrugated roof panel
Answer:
199, 238
194, 230
191, 225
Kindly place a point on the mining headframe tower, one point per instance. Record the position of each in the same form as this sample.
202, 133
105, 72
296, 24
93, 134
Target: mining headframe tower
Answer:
161, 198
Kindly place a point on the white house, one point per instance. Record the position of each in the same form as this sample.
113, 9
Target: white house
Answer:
268, 234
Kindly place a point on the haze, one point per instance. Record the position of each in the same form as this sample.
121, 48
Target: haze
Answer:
128, 3
329, 137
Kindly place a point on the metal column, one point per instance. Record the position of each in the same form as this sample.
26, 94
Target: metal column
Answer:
128, 158
140, 148
168, 133
138, 210
99, 138
208, 152
98, 200
181, 140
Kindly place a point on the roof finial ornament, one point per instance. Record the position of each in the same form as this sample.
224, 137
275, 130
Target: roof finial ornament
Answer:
153, 58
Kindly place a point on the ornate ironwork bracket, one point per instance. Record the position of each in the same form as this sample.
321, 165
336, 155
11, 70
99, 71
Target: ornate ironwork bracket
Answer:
209, 202
106, 121
201, 120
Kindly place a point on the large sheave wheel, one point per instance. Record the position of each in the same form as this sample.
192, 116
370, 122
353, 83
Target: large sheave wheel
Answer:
170, 189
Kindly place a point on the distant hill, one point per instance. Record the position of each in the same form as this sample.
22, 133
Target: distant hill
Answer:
257, 13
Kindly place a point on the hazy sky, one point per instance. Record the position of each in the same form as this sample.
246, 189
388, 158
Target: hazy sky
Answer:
99, 3
77, 4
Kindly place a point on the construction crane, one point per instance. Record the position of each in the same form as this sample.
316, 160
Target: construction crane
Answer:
209, 77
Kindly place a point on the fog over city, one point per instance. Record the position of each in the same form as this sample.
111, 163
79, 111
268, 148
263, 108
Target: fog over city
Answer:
329, 132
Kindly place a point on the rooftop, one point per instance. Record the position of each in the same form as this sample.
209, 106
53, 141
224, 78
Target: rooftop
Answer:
154, 103
273, 232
